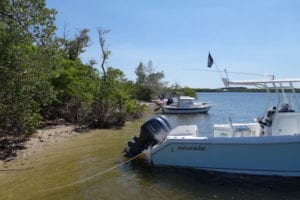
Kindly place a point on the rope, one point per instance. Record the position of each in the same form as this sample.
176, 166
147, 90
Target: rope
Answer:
93, 176
16, 169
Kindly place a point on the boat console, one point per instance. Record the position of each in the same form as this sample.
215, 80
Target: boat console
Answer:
237, 130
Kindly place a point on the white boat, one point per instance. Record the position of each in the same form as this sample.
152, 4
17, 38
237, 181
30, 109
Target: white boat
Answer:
268, 146
186, 105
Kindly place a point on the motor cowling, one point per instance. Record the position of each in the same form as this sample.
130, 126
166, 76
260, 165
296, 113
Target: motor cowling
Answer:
152, 132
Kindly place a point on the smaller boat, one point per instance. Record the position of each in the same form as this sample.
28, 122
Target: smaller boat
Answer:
185, 105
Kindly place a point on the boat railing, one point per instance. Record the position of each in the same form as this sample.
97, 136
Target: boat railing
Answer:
280, 86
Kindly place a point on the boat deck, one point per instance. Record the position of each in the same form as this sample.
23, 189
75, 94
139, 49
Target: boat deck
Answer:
187, 130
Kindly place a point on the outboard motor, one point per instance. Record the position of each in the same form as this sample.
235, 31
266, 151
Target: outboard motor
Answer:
153, 131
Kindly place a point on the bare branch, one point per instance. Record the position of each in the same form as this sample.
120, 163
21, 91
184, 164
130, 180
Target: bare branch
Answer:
105, 53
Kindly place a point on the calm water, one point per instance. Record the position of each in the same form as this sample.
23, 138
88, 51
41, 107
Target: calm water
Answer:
240, 107
60, 171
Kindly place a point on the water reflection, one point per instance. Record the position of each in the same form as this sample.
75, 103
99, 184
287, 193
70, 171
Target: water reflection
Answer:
179, 183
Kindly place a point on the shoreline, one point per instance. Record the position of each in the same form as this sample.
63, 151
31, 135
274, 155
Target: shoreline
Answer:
48, 136
38, 142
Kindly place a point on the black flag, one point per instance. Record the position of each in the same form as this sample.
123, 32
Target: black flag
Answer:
210, 61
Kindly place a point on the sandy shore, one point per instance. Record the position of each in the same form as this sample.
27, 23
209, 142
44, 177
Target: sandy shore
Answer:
38, 141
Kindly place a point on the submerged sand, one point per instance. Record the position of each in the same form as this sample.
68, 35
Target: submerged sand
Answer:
38, 142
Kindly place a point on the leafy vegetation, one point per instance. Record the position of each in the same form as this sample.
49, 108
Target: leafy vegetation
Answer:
149, 83
26, 32
43, 80
177, 90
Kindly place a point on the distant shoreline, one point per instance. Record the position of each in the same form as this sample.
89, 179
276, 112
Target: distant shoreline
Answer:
238, 89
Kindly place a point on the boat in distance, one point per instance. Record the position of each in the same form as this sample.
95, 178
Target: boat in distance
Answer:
185, 105
268, 146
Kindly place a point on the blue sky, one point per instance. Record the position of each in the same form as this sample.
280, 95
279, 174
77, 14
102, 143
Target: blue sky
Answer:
246, 36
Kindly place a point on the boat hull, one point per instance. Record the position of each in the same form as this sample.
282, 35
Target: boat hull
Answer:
191, 110
259, 156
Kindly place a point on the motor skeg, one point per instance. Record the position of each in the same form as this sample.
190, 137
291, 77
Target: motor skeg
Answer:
152, 132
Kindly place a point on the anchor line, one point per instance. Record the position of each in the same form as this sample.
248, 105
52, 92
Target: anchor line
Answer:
15, 169
93, 176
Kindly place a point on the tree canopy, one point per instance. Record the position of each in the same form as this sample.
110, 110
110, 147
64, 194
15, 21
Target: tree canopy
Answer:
43, 79
149, 83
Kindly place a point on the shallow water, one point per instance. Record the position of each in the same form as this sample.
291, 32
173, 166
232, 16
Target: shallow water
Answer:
73, 169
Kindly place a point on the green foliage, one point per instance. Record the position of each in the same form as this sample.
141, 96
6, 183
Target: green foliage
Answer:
42, 77
26, 27
149, 83
74, 47
28, 19
189, 92
176, 90
113, 103
75, 85
18, 108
